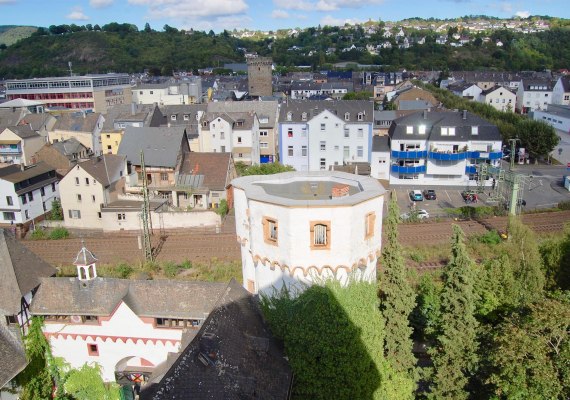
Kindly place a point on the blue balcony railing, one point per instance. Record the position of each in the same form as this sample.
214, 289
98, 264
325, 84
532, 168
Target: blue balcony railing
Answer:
409, 170
471, 169
409, 154
492, 155
434, 155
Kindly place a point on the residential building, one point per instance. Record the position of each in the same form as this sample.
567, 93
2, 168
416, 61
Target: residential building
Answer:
442, 148
235, 132
533, 95
330, 89
383, 120
297, 228
165, 151
171, 92
557, 116
95, 92
88, 187
62, 155
499, 97
128, 327
42, 123
561, 91
27, 192
85, 127
267, 113
234, 337
465, 89
414, 94
120, 116
18, 144
316, 135
260, 76
187, 116
380, 158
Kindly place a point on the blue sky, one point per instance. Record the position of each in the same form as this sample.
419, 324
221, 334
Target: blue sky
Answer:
258, 14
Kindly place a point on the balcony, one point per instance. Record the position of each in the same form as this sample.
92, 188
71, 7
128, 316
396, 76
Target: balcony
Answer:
408, 169
491, 155
409, 154
10, 150
448, 155
471, 169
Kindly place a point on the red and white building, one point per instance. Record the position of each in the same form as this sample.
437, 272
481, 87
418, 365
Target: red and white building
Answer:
126, 326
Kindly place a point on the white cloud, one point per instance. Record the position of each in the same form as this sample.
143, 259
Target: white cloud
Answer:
323, 5
183, 9
522, 14
218, 23
100, 3
280, 14
332, 21
77, 15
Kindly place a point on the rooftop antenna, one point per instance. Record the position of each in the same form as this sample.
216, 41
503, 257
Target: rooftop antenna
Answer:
70, 70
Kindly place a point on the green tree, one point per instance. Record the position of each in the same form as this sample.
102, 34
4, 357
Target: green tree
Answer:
396, 297
555, 254
454, 353
36, 380
86, 383
56, 211
539, 138
333, 337
524, 256
530, 352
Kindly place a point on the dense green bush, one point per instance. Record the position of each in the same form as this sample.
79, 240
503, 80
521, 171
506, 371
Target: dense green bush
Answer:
59, 233
38, 234
170, 269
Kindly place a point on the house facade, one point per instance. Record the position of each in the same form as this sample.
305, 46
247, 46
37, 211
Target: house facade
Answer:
298, 227
18, 144
442, 148
126, 326
85, 127
533, 95
88, 187
561, 91
188, 91
500, 98
27, 192
321, 134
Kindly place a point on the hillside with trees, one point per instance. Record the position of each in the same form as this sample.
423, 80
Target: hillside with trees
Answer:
10, 34
118, 47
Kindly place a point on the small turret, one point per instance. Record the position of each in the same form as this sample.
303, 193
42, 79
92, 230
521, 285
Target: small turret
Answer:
86, 264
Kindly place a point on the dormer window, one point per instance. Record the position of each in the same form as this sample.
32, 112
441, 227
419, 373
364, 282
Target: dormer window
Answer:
422, 129
289, 116
186, 117
474, 130
304, 116
360, 116
447, 131
205, 124
173, 117
409, 130
347, 116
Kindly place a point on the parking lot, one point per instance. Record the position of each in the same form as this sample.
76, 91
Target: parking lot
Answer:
447, 197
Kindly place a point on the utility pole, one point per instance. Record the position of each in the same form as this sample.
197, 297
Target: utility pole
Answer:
145, 215
513, 148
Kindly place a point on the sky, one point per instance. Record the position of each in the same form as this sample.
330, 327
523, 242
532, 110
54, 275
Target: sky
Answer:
259, 14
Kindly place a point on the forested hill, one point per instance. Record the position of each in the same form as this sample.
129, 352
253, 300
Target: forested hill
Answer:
123, 48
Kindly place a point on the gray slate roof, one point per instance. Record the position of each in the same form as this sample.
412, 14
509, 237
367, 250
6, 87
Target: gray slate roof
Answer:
337, 107
77, 122
414, 105
435, 120
24, 131
261, 108
147, 298
160, 145
124, 112
106, 168
246, 361
20, 272
10, 118
69, 147
380, 144
12, 357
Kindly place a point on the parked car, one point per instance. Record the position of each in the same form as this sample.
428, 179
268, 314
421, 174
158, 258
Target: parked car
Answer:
429, 194
419, 214
470, 196
416, 195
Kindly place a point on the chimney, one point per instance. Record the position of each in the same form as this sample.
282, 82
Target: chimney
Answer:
464, 114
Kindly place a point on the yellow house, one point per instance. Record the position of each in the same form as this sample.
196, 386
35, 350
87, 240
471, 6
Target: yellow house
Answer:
111, 140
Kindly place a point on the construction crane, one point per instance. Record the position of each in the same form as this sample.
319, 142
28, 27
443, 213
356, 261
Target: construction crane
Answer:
145, 215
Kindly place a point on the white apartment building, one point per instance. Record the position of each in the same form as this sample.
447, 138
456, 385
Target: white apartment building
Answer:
317, 135
500, 98
441, 148
533, 95
26, 192
187, 91
298, 228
